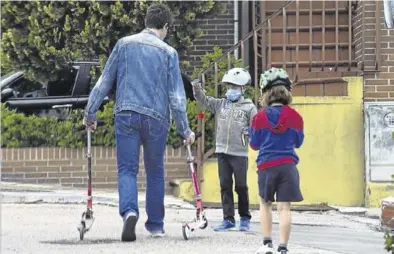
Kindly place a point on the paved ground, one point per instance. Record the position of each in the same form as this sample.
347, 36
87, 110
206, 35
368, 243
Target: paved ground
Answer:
51, 228
43, 219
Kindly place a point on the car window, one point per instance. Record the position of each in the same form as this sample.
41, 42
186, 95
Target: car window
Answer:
64, 84
23, 86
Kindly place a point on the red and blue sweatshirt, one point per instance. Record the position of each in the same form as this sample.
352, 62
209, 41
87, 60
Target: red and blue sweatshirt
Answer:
275, 132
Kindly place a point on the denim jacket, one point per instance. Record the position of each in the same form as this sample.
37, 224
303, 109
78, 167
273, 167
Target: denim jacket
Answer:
145, 71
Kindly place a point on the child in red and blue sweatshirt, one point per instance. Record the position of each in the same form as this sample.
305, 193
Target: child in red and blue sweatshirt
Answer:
275, 132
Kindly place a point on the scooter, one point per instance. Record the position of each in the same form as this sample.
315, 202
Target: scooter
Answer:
200, 221
87, 219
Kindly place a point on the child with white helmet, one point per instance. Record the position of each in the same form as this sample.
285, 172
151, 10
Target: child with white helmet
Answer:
276, 131
233, 115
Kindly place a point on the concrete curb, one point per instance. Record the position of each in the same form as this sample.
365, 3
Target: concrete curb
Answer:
361, 211
52, 197
372, 213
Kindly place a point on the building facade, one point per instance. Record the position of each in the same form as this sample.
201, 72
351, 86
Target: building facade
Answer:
340, 55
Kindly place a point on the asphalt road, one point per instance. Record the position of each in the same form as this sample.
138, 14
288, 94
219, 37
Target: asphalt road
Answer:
51, 228
340, 240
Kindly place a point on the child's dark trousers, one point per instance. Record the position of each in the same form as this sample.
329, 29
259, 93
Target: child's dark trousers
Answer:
238, 166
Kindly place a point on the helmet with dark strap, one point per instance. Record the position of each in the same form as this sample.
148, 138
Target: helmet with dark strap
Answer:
237, 76
274, 77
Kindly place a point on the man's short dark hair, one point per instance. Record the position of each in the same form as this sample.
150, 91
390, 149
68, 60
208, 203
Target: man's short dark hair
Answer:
157, 16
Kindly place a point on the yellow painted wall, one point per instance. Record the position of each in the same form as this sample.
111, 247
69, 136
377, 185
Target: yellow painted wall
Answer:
375, 192
185, 190
331, 158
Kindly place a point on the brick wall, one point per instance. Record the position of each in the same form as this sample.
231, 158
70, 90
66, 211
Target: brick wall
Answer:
357, 34
218, 31
68, 167
378, 86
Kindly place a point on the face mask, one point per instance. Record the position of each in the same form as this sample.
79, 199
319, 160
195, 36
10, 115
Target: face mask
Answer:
233, 94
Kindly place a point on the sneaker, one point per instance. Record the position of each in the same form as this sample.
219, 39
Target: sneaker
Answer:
225, 225
266, 249
282, 250
244, 224
128, 233
157, 234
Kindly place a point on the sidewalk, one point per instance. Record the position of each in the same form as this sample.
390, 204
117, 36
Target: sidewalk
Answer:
345, 217
33, 193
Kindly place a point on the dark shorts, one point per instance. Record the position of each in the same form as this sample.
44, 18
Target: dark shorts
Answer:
282, 181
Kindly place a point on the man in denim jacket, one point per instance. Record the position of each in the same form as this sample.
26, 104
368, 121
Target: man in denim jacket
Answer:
145, 71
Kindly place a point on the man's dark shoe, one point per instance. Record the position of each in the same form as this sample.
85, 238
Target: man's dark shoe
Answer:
128, 233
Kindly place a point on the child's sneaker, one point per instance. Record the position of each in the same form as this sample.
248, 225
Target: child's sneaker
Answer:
282, 250
244, 224
225, 225
266, 249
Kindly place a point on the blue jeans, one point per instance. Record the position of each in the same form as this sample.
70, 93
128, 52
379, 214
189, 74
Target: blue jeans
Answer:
133, 130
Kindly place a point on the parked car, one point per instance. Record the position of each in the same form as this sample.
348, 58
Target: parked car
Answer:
28, 97
72, 91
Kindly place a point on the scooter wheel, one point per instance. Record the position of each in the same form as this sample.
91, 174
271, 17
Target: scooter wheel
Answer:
81, 229
205, 225
186, 232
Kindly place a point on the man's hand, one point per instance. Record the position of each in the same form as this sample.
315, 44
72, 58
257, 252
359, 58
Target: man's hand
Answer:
90, 125
190, 140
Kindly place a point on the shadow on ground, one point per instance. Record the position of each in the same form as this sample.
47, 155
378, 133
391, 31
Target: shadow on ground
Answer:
83, 242
115, 240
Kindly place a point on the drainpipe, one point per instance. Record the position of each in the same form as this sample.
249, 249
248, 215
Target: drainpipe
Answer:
236, 27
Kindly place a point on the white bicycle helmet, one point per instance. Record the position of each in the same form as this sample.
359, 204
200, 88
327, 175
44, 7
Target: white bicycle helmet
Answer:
274, 77
237, 76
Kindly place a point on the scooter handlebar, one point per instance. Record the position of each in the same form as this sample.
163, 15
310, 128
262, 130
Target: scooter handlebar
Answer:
83, 127
181, 142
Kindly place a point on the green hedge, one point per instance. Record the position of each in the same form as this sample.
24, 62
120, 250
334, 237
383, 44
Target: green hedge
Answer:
42, 37
19, 130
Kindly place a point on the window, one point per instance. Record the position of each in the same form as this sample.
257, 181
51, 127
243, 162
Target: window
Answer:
388, 6
64, 84
23, 86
